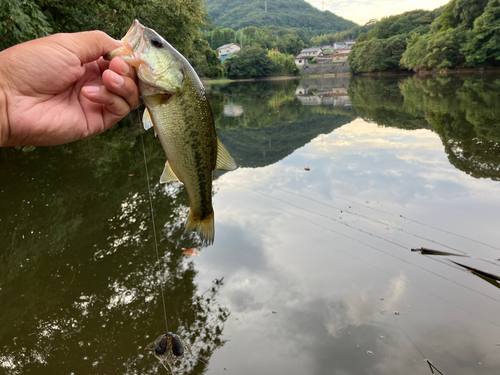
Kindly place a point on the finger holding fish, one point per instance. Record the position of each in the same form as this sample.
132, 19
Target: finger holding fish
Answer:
119, 93
120, 79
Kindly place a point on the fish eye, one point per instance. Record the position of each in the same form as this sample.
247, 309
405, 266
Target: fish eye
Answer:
156, 42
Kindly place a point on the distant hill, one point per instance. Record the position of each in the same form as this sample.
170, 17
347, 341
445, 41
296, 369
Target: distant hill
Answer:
236, 14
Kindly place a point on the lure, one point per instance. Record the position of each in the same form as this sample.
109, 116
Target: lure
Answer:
161, 346
177, 347
168, 349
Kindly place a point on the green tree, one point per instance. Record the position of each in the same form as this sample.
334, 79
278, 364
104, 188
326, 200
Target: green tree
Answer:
283, 64
382, 47
439, 50
352, 34
376, 55
21, 21
178, 21
250, 62
290, 44
483, 41
402, 24
205, 61
466, 34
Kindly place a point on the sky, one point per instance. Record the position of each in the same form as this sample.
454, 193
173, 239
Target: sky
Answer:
361, 11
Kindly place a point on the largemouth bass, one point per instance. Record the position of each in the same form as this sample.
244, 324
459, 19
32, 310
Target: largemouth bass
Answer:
177, 109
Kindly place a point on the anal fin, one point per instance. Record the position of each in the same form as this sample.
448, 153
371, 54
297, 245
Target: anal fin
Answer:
168, 174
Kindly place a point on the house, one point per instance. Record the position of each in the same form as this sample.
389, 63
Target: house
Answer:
311, 52
342, 50
349, 44
301, 60
227, 50
307, 53
328, 51
340, 57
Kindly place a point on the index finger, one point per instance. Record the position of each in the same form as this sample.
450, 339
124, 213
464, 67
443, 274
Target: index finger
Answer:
87, 45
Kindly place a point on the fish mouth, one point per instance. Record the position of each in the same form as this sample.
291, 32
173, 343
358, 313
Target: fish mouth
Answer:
133, 35
130, 44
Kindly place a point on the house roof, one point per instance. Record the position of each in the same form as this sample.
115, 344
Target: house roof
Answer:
311, 49
228, 45
342, 49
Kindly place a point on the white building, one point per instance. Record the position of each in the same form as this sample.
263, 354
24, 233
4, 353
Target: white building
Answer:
227, 50
301, 60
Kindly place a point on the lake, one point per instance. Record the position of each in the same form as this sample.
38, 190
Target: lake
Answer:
311, 271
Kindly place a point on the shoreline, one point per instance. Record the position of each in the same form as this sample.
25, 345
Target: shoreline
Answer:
228, 80
482, 70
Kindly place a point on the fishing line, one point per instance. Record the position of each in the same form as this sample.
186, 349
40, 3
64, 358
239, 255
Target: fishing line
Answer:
431, 365
391, 214
359, 241
154, 227
491, 261
152, 219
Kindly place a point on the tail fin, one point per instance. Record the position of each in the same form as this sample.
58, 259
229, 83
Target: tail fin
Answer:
203, 227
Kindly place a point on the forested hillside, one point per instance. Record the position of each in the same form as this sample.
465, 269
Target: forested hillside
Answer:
462, 34
383, 46
237, 14
467, 34
341, 36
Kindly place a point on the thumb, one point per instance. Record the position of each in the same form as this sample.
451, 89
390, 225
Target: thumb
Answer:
87, 45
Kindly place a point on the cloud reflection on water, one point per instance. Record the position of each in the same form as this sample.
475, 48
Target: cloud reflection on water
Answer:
325, 286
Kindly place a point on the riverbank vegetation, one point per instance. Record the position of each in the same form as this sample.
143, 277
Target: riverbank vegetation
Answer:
251, 62
467, 34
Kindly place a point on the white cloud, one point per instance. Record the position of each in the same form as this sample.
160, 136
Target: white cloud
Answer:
361, 11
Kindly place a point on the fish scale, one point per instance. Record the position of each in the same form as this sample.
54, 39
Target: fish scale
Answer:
183, 152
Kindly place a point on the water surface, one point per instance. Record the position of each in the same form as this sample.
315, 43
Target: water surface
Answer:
311, 270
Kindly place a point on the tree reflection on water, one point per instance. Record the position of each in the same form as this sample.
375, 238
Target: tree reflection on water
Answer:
462, 110
79, 276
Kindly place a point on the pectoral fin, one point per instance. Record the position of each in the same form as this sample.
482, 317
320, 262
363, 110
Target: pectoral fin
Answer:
147, 122
224, 160
168, 174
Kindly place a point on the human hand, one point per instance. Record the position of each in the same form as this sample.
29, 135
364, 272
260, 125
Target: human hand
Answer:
59, 89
